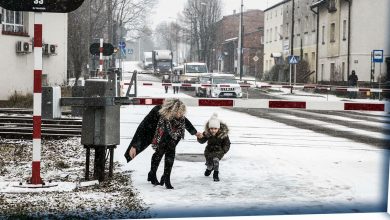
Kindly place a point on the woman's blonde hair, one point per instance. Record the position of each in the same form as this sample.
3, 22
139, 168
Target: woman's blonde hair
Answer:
172, 107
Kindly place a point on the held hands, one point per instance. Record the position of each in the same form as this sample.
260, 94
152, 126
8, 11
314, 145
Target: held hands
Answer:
133, 152
199, 134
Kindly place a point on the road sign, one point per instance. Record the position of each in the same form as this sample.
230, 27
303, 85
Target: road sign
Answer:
58, 6
108, 49
255, 58
130, 51
293, 59
220, 58
377, 56
122, 44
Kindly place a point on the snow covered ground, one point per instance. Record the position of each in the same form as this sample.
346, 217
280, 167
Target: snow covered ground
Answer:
271, 169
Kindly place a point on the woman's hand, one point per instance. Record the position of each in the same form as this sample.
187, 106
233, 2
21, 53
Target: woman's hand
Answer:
133, 152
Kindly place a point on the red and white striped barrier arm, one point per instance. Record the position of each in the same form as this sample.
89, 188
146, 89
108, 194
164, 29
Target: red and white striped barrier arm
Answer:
309, 86
37, 110
264, 103
101, 57
190, 85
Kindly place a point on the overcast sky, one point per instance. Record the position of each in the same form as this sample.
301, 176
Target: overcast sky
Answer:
166, 10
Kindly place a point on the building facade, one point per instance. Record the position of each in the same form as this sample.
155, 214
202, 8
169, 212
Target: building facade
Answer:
17, 57
348, 32
226, 57
273, 37
290, 29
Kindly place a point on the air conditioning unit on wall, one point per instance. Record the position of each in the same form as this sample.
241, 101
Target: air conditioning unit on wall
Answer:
19, 47
53, 49
23, 47
45, 49
27, 47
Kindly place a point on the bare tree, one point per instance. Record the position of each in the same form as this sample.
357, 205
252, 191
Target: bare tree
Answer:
102, 19
202, 17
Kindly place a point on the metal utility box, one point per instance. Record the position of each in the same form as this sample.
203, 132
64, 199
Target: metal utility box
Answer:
77, 91
100, 121
51, 96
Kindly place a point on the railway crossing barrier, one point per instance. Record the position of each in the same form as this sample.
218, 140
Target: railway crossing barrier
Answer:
101, 114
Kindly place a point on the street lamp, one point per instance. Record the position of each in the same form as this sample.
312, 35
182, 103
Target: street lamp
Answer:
241, 32
203, 17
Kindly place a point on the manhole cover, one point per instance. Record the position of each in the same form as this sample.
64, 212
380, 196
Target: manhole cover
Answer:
190, 157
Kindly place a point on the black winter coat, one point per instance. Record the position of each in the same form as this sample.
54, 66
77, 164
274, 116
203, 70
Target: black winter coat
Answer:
145, 132
218, 145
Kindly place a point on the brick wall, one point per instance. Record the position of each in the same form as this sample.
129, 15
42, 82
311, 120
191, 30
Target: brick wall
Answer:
228, 29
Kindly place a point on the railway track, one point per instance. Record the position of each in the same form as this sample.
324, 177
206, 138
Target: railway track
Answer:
18, 124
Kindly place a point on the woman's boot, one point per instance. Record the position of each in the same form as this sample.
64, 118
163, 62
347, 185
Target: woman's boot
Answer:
166, 179
153, 178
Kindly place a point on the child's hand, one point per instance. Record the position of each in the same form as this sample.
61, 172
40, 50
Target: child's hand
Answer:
199, 134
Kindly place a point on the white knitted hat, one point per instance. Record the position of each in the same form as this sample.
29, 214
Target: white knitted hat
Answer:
214, 121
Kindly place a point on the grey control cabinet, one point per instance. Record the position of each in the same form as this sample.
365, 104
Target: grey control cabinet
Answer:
100, 122
51, 96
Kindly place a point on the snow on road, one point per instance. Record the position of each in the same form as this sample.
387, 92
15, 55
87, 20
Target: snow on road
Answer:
271, 168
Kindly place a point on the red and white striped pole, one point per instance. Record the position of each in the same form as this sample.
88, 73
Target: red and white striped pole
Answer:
101, 58
37, 118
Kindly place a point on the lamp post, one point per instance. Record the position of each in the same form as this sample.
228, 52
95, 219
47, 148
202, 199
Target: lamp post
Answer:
203, 21
241, 40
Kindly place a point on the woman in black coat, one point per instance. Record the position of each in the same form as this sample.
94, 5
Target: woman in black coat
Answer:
163, 127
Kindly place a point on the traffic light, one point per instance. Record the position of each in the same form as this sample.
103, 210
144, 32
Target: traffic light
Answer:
108, 49
58, 6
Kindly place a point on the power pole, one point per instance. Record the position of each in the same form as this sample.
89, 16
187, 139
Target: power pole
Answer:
241, 39
292, 28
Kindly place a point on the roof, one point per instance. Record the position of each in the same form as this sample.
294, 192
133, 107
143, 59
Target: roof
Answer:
318, 3
276, 5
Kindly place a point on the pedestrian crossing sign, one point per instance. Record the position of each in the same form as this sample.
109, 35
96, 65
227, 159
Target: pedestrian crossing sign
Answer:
293, 59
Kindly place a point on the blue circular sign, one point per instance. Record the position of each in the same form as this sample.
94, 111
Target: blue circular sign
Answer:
122, 44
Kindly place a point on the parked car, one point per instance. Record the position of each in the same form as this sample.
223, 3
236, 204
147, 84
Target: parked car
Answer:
221, 85
202, 91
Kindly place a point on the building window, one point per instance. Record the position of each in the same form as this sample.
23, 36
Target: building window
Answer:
306, 57
332, 72
313, 59
323, 34
332, 32
270, 35
281, 32
343, 71
306, 24
314, 23
344, 30
276, 33
13, 21
322, 72
299, 27
332, 6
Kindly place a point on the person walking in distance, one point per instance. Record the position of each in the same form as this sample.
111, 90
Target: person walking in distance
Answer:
353, 82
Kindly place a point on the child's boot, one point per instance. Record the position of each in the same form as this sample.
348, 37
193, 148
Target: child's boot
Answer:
207, 172
215, 176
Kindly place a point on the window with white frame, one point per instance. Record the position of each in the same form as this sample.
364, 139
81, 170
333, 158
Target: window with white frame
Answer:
13, 21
